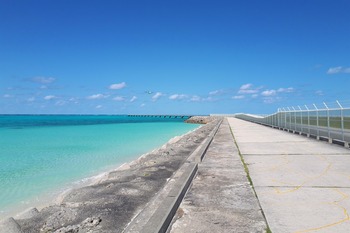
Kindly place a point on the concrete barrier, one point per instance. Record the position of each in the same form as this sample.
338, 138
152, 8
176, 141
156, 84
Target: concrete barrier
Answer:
161, 219
167, 203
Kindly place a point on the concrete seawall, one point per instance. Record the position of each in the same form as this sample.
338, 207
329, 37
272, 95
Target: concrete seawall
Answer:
112, 204
158, 214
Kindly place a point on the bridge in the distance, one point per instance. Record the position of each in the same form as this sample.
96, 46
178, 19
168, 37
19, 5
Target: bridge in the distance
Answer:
163, 116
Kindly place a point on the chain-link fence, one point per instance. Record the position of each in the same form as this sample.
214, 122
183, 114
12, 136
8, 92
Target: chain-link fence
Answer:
323, 121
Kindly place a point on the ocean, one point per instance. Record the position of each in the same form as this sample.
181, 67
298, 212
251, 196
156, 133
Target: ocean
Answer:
41, 156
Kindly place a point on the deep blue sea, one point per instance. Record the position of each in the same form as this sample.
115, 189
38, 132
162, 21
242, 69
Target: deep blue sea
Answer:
43, 155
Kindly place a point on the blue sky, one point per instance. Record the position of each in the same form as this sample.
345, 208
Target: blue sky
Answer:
172, 57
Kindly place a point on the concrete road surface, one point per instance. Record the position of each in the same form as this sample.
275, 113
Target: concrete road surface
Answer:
221, 199
303, 185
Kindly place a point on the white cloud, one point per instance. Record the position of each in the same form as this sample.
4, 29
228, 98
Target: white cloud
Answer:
50, 97
248, 89
31, 99
271, 99
338, 69
43, 80
7, 96
142, 105
246, 86
195, 98
156, 96
208, 99
117, 86
60, 102
178, 97
96, 96
334, 70
237, 97
119, 98
133, 99
98, 106
285, 90
217, 92
319, 92
74, 100
214, 92
268, 93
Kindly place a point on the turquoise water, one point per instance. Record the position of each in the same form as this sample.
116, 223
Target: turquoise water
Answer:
41, 156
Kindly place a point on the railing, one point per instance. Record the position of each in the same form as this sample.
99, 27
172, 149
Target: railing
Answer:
327, 121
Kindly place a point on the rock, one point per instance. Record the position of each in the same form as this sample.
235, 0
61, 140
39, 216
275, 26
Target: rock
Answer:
10, 226
91, 222
201, 119
29, 213
59, 219
87, 225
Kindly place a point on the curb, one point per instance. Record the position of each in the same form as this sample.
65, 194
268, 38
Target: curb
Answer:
162, 217
198, 154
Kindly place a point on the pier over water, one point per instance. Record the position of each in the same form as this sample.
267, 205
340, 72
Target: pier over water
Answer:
163, 116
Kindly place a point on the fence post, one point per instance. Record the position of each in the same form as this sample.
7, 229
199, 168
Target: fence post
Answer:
301, 120
341, 121
328, 124
318, 130
290, 119
280, 120
295, 120
308, 120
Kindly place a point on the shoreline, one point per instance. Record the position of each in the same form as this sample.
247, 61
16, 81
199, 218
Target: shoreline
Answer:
57, 195
103, 176
116, 196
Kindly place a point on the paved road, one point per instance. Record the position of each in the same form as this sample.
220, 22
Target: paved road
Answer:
220, 199
303, 185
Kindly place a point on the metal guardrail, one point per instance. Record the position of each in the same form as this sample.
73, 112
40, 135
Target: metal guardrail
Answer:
327, 121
